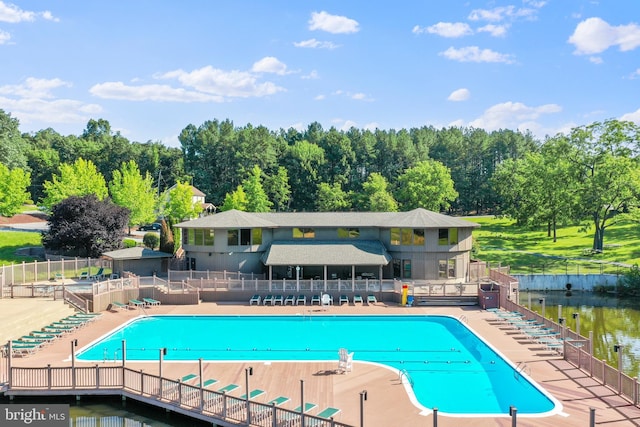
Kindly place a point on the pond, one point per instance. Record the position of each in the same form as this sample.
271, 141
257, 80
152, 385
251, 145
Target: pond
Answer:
111, 411
613, 321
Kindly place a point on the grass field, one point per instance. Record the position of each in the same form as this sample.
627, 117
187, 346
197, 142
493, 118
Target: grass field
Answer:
11, 241
526, 250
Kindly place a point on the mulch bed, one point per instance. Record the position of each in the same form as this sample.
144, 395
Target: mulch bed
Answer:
24, 218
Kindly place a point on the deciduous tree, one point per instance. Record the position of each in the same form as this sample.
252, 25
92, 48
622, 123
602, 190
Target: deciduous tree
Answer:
85, 226
426, 185
13, 190
131, 190
257, 199
78, 179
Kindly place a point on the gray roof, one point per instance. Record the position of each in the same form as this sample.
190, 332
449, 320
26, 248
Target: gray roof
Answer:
362, 252
417, 218
137, 252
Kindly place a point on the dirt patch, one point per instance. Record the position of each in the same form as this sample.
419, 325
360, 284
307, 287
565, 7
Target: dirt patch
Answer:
24, 218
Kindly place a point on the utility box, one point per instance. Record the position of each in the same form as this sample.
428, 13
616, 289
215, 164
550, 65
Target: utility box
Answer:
489, 295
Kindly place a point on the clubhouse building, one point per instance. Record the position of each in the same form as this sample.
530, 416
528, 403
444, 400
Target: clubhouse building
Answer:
419, 245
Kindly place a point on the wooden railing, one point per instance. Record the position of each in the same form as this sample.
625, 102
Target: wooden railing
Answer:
216, 406
578, 350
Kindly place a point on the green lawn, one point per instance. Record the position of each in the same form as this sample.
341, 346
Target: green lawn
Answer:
14, 240
526, 250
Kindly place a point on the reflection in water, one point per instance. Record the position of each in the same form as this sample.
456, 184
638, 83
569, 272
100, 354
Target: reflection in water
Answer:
110, 411
613, 321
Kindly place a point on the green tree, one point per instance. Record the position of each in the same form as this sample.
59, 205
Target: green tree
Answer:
426, 185
151, 240
131, 190
13, 190
377, 197
235, 200
331, 198
278, 189
13, 148
303, 161
167, 242
257, 199
605, 170
78, 179
180, 205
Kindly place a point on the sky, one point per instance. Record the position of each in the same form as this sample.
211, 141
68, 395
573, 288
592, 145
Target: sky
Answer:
153, 67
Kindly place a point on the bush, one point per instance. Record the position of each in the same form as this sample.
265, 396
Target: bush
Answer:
151, 240
129, 243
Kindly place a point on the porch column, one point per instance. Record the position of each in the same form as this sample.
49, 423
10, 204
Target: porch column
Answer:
353, 278
325, 273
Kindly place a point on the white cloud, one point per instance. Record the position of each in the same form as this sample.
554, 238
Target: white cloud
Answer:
348, 124
446, 29
34, 88
269, 64
635, 74
360, 97
158, 93
595, 35
214, 81
494, 30
372, 126
29, 110
4, 37
475, 54
315, 44
632, 117
502, 13
334, 24
595, 60
459, 95
512, 115
319, 97
311, 76
13, 14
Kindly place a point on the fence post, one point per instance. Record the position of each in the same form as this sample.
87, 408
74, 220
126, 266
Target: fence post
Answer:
604, 370
435, 417
592, 417
49, 376
513, 412
591, 353
97, 376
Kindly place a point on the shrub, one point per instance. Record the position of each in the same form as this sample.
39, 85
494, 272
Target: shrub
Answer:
151, 240
129, 243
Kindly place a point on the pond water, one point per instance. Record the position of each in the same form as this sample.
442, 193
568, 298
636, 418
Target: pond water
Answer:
613, 321
111, 411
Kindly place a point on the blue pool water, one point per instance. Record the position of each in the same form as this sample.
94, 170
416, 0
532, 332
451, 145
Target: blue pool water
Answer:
450, 366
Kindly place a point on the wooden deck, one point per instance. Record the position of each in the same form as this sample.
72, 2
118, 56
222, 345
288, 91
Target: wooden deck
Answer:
388, 403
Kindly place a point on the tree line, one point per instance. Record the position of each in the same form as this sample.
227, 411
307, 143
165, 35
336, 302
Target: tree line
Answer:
588, 175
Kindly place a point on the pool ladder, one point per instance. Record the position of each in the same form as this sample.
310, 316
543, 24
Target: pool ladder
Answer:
405, 373
463, 318
521, 367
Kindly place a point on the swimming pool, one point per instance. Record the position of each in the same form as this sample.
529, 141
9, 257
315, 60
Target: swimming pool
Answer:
450, 367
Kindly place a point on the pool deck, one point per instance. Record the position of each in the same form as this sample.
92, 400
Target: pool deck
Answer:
388, 403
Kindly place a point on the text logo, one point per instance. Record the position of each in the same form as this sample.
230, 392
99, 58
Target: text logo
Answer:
34, 415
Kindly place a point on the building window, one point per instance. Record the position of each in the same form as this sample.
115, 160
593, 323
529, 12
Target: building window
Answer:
232, 237
442, 269
447, 236
397, 264
197, 236
304, 233
348, 233
447, 268
395, 240
406, 236
418, 237
208, 237
453, 236
406, 269
245, 236
242, 236
256, 236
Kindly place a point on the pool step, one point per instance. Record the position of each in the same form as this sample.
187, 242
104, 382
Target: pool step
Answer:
444, 300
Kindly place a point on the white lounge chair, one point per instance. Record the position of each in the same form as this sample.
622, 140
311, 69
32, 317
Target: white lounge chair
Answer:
327, 300
256, 299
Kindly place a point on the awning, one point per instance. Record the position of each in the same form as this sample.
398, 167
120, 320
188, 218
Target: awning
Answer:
364, 252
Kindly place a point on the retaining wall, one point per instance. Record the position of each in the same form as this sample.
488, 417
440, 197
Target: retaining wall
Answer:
558, 282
